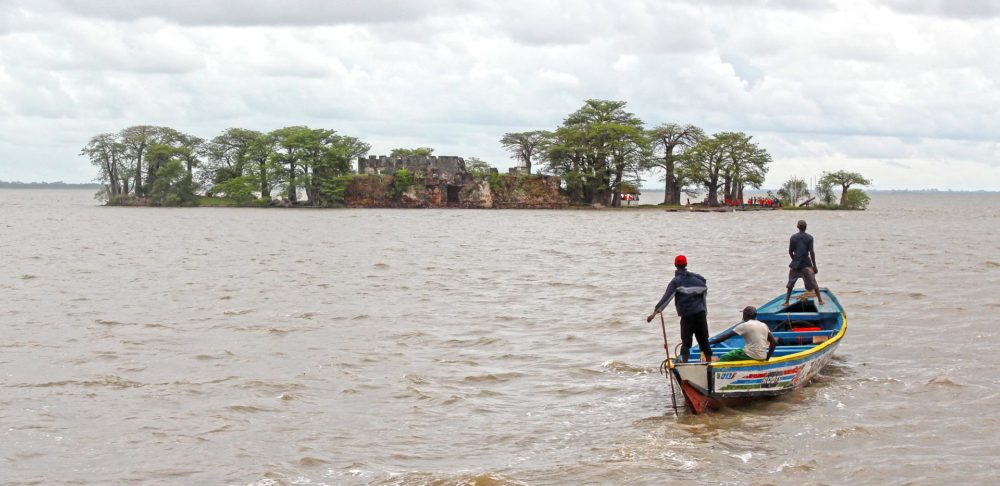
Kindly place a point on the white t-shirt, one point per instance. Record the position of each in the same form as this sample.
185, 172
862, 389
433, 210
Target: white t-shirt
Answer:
754, 334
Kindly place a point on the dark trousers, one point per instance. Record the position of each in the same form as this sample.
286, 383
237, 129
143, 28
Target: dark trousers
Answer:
696, 324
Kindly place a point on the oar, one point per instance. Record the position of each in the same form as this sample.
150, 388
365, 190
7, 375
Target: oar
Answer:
670, 376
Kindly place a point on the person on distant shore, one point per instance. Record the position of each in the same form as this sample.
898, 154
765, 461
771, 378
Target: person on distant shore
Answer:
760, 343
800, 249
691, 291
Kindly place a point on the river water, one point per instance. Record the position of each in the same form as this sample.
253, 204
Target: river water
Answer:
269, 346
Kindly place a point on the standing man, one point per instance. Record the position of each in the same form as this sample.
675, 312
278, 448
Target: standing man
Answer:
800, 249
691, 292
759, 343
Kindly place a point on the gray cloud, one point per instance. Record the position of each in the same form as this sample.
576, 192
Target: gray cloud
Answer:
964, 9
257, 13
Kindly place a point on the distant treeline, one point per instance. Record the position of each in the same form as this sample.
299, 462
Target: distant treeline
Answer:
46, 185
600, 152
164, 166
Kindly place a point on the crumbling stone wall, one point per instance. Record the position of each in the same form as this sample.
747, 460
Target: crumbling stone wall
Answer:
445, 167
499, 191
529, 192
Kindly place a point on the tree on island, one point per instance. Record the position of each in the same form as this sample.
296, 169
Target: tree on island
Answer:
172, 185
728, 162
477, 168
669, 140
107, 152
824, 191
845, 180
416, 152
747, 164
703, 164
123, 157
595, 149
792, 190
315, 157
525, 145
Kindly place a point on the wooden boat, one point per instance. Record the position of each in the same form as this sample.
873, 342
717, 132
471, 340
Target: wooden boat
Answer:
807, 336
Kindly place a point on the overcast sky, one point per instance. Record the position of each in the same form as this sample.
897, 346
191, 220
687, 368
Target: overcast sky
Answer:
905, 91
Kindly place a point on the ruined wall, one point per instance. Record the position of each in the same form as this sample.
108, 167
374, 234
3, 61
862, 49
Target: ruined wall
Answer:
504, 191
433, 166
528, 191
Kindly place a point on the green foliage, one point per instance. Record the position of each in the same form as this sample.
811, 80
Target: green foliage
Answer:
670, 140
844, 179
601, 144
726, 161
333, 189
312, 157
172, 186
824, 190
416, 152
857, 199
240, 189
477, 168
494, 181
524, 146
401, 182
792, 191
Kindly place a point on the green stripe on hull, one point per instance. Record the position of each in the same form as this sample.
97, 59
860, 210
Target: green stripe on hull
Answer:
757, 386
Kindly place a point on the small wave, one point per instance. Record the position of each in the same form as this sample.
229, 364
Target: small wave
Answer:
419, 380
27, 276
807, 466
850, 431
475, 479
107, 381
493, 377
616, 366
236, 313
380, 265
360, 317
992, 264
247, 409
413, 392
105, 322
945, 382
312, 461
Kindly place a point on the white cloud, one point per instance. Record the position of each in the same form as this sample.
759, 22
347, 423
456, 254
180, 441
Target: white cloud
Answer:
904, 91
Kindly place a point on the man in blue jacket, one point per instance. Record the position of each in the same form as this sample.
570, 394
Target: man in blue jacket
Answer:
690, 292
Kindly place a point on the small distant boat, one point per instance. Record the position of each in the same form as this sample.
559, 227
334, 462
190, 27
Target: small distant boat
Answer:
807, 337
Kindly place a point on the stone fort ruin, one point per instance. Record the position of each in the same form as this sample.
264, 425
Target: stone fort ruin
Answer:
437, 167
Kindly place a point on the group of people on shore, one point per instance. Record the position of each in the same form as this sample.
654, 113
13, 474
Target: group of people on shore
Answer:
689, 292
755, 201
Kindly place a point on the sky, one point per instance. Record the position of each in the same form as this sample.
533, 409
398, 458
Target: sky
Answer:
907, 92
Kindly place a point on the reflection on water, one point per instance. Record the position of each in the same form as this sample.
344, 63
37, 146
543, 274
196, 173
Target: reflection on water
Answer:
476, 347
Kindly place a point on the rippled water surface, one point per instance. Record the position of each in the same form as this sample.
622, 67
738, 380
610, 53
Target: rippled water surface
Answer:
268, 346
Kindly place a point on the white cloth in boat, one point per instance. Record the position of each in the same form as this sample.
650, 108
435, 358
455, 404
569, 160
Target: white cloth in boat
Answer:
754, 333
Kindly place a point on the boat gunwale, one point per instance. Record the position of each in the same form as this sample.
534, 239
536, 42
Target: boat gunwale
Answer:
789, 357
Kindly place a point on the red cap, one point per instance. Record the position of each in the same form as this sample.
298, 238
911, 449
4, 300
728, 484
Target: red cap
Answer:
681, 261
